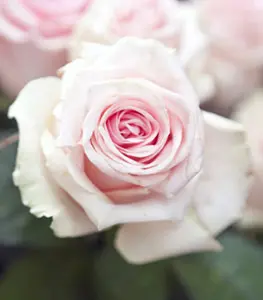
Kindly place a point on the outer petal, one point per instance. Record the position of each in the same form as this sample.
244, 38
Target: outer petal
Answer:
142, 243
32, 111
71, 221
253, 214
250, 113
148, 59
223, 188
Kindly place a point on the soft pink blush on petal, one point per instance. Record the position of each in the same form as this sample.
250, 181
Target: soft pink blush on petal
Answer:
111, 89
138, 146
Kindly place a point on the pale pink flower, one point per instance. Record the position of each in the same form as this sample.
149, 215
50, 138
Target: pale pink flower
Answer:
120, 139
233, 30
108, 21
33, 38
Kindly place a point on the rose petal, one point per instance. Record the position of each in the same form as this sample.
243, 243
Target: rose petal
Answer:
32, 110
253, 213
145, 242
249, 113
71, 221
223, 188
38, 190
149, 59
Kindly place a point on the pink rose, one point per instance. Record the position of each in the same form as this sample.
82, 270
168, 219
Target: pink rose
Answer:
108, 21
250, 114
120, 139
33, 38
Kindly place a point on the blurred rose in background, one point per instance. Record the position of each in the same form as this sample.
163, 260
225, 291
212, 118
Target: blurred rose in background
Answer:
108, 21
234, 58
171, 22
33, 38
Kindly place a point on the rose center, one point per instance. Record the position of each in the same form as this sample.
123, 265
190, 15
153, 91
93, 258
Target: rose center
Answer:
128, 126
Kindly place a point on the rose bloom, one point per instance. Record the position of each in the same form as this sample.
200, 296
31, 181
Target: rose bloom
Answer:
234, 55
108, 21
33, 38
120, 139
250, 113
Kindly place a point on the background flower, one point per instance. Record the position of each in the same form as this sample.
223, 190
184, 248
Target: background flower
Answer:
234, 28
33, 38
108, 21
229, 63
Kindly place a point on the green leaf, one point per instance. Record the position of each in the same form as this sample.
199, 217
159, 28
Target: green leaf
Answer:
17, 225
115, 279
4, 102
235, 273
47, 275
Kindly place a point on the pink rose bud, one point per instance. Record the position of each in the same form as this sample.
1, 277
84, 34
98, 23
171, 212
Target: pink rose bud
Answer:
33, 38
120, 139
107, 21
